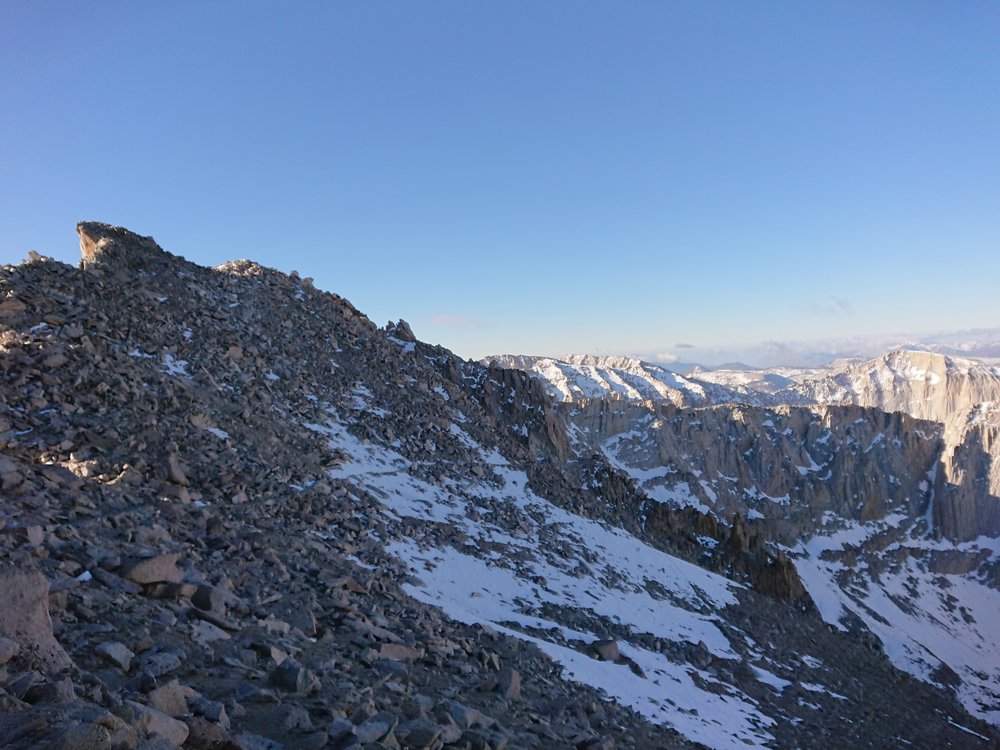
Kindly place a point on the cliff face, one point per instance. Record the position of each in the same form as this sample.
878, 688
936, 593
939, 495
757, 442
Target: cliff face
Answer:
787, 466
959, 394
954, 393
967, 489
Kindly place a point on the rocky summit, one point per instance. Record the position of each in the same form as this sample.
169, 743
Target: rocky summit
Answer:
238, 514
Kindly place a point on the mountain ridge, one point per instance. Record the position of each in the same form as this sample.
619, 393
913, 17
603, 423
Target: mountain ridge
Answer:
252, 518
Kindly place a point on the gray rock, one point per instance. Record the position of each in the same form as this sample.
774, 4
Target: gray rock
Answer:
293, 677
376, 727
116, 653
251, 741
8, 649
466, 717
214, 711
162, 568
509, 683
24, 617
606, 650
60, 691
418, 734
339, 729
171, 698
159, 663
399, 652
68, 726
158, 725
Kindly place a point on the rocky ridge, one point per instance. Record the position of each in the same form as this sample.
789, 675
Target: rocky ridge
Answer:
237, 514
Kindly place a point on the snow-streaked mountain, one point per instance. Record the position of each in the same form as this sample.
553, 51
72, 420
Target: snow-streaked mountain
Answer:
879, 478
924, 384
578, 377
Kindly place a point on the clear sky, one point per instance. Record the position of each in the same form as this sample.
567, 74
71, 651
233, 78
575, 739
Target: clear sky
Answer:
531, 177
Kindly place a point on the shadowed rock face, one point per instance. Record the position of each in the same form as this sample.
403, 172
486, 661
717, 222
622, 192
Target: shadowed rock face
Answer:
787, 466
24, 618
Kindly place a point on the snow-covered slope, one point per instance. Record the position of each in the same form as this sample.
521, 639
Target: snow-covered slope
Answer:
932, 604
880, 478
533, 583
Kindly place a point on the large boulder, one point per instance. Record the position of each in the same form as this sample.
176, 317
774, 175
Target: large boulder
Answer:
24, 618
75, 725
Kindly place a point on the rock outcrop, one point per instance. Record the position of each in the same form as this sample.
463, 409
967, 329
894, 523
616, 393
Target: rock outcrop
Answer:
786, 466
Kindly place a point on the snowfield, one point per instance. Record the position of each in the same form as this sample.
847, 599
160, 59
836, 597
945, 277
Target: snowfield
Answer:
924, 619
562, 564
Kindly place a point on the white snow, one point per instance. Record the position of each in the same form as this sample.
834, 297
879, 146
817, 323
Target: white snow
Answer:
173, 366
509, 581
923, 619
814, 688
769, 678
406, 346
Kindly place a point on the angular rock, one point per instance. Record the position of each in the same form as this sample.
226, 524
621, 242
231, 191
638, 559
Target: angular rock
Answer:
8, 649
399, 652
158, 725
214, 711
376, 727
606, 650
24, 618
171, 698
206, 735
509, 683
159, 663
67, 726
60, 691
418, 734
116, 653
293, 677
339, 730
162, 568
466, 717
175, 471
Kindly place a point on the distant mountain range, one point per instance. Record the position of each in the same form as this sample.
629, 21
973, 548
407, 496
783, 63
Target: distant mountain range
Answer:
973, 342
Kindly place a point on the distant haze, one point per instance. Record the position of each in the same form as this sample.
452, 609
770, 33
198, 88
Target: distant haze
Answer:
979, 343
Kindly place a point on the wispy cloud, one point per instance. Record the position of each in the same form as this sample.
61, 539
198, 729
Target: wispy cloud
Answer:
684, 346
447, 320
838, 306
663, 357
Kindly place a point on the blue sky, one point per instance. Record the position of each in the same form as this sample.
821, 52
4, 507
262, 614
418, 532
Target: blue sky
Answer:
532, 177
